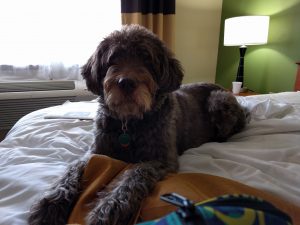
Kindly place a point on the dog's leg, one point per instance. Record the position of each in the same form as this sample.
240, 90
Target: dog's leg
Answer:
119, 205
55, 206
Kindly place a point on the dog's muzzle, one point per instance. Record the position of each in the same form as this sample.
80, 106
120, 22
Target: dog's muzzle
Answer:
127, 85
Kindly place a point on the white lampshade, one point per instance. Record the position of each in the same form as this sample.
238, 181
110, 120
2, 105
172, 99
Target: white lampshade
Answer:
246, 30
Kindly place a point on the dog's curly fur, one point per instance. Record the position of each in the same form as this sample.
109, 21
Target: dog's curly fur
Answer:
138, 82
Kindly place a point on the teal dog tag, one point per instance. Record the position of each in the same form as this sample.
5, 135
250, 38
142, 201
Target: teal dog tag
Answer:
124, 140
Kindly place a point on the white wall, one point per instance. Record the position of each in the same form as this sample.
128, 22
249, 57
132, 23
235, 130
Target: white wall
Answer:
197, 37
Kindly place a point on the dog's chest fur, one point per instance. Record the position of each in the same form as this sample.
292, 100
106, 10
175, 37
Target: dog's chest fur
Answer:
154, 131
181, 122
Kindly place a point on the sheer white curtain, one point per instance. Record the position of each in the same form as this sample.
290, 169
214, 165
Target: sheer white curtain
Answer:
52, 39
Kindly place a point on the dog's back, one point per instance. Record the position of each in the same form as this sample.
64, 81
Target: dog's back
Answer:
205, 112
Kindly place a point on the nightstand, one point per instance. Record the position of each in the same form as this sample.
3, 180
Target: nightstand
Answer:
247, 93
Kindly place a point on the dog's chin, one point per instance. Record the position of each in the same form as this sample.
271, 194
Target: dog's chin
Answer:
127, 111
128, 106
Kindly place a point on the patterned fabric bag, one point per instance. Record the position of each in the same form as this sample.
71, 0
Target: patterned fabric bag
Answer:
224, 210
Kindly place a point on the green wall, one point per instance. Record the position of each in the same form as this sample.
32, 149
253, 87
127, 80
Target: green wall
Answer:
270, 67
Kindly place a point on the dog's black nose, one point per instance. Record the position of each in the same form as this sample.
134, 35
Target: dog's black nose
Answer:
127, 84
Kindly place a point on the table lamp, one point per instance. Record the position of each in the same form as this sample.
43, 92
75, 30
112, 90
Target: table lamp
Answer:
242, 31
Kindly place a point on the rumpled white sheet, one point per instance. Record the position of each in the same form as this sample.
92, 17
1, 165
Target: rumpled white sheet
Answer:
266, 155
33, 155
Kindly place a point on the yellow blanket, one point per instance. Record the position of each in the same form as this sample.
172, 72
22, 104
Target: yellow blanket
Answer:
101, 170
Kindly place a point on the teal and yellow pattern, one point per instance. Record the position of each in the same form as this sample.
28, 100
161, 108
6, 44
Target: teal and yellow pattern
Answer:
231, 210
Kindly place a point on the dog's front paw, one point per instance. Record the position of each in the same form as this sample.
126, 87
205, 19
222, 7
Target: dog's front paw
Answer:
47, 211
103, 214
109, 213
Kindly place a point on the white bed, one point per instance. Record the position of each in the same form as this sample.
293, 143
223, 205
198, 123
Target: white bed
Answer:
266, 155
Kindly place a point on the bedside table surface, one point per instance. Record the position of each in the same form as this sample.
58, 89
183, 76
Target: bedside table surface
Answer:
247, 93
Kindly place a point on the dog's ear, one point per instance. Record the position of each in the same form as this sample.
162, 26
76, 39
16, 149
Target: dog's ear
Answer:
95, 69
172, 74
90, 75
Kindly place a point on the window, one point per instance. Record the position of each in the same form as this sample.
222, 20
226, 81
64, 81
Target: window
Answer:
52, 39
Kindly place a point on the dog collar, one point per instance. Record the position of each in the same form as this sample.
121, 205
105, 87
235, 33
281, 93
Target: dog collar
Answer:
124, 138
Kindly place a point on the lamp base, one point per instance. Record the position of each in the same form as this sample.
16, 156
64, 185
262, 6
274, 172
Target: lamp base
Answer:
240, 71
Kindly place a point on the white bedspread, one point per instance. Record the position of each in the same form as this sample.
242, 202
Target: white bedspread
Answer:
266, 155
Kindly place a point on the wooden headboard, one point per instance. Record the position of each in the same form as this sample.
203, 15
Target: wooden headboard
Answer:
297, 82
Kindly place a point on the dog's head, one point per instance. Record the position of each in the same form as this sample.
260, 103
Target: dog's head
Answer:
129, 69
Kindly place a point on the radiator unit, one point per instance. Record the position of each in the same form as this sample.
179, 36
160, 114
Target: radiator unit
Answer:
20, 98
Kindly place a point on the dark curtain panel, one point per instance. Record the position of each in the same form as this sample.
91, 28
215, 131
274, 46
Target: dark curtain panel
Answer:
157, 15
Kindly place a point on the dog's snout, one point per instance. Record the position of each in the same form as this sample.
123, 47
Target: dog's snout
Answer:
126, 84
